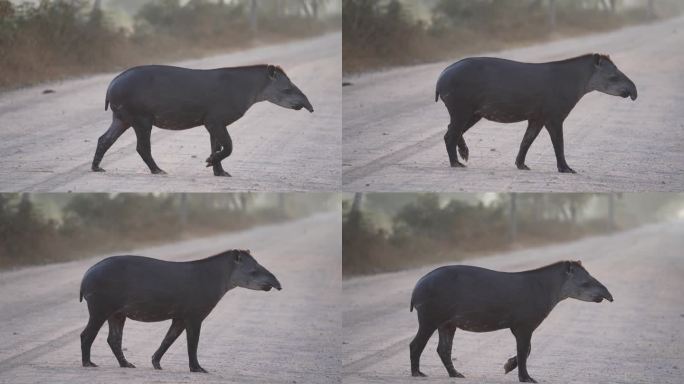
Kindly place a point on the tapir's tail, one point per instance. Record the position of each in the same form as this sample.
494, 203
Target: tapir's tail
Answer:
80, 296
106, 104
411, 308
436, 96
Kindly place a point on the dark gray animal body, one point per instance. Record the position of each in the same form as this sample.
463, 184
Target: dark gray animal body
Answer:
507, 91
146, 289
181, 98
481, 300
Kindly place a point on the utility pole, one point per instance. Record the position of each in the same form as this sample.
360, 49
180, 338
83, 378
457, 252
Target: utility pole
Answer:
552, 15
253, 23
611, 211
183, 210
513, 219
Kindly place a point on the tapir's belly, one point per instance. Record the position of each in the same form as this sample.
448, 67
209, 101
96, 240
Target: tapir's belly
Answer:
481, 321
151, 311
504, 111
177, 119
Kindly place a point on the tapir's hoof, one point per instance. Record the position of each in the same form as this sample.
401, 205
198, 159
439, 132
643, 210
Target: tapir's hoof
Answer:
457, 165
210, 160
97, 169
158, 172
418, 374
527, 380
523, 167
221, 173
89, 364
456, 374
156, 365
126, 364
510, 365
464, 153
566, 170
198, 369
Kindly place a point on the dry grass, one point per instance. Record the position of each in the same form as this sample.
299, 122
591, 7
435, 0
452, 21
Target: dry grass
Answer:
61, 39
400, 43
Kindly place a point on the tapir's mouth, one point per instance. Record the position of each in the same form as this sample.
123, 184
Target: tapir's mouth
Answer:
626, 93
268, 287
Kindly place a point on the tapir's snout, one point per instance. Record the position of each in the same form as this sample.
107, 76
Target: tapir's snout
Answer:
630, 91
604, 294
272, 283
307, 105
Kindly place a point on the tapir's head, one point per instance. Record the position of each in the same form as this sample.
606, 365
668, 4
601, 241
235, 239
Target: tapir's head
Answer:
247, 273
580, 285
281, 91
607, 78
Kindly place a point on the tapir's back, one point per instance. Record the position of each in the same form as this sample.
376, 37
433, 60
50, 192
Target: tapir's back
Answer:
460, 289
123, 278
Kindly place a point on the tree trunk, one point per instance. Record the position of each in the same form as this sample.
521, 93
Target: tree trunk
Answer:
513, 219
253, 22
356, 203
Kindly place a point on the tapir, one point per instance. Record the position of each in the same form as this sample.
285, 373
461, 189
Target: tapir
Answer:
149, 290
177, 98
507, 91
481, 300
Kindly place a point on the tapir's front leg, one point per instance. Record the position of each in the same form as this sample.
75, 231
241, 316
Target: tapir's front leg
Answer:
192, 329
215, 149
556, 132
221, 147
523, 342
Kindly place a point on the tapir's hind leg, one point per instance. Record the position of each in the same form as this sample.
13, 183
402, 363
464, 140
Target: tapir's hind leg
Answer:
116, 324
460, 118
417, 346
461, 144
143, 132
97, 318
105, 141
446, 338
177, 327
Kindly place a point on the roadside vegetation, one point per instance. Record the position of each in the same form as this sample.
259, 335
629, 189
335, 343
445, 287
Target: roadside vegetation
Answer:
389, 232
46, 228
386, 33
54, 39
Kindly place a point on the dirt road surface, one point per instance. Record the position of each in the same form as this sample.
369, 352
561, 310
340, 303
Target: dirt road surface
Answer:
639, 338
47, 141
289, 336
393, 130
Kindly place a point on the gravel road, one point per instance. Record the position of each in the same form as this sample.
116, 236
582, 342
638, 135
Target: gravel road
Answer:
289, 336
639, 338
47, 141
393, 130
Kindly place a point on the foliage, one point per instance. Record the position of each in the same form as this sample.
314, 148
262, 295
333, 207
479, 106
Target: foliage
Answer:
429, 229
56, 38
90, 223
381, 33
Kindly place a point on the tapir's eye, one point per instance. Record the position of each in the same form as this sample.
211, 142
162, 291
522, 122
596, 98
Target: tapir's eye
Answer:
288, 91
614, 78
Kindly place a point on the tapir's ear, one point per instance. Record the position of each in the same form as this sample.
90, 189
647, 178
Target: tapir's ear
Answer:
238, 257
597, 59
271, 71
570, 267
